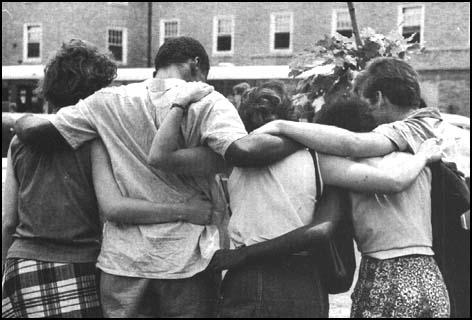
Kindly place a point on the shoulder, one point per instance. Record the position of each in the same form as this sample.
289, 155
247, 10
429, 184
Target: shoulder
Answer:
129, 90
213, 100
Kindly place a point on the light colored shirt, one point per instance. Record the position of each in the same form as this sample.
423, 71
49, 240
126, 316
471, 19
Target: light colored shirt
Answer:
387, 226
271, 201
127, 118
394, 225
426, 123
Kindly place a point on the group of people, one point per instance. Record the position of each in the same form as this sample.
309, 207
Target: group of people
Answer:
112, 208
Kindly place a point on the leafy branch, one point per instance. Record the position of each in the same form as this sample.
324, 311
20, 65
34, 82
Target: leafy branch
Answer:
328, 67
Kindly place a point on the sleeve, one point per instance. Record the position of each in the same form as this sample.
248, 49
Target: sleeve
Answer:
76, 123
221, 126
408, 134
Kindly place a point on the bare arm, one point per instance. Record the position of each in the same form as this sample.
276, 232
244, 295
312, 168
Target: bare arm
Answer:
331, 139
118, 208
166, 155
363, 177
10, 212
259, 150
38, 131
329, 212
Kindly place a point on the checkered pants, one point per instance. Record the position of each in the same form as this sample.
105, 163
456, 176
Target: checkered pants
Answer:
36, 289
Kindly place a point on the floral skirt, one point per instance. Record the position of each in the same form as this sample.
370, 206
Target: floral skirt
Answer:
404, 287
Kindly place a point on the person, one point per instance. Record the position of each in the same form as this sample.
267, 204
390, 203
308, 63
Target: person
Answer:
271, 201
398, 276
391, 89
158, 269
238, 91
50, 228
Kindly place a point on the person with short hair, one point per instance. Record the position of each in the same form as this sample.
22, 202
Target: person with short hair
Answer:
398, 276
159, 270
50, 228
273, 222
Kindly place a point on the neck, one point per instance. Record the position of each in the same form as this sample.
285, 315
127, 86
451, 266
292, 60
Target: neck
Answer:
169, 72
397, 113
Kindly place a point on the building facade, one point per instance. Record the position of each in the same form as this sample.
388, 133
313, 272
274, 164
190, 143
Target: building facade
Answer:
249, 33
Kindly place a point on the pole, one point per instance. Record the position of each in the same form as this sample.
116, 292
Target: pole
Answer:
149, 39
355, 28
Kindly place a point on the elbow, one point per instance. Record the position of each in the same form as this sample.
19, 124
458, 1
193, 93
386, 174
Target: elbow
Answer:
112, 212
238, 154
396, 184
322, 232
326, 230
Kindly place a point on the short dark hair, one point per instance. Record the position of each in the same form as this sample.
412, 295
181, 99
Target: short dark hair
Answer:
267, 100
395, 78
180, 50
76, 71
350, 114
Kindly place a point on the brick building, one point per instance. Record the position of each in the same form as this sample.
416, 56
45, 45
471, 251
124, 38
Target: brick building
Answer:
249, 33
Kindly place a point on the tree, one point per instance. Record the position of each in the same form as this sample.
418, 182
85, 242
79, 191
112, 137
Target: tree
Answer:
329, 66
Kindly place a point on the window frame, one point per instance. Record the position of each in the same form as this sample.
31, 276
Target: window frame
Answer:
400, 18
273, 15
118, 3
334, 20
124, 41
25, 43
162, 29
216, 19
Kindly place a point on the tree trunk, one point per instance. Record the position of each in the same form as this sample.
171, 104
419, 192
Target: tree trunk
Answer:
355, 29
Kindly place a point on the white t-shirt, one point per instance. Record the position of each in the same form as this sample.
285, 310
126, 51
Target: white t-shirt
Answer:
271, 201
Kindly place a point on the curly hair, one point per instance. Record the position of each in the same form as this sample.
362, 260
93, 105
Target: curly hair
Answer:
263, 104
76, 71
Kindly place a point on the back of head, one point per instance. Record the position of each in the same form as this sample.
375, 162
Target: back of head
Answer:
240, 88
395, 78
351, 114
76, 71
263, 104
180, 50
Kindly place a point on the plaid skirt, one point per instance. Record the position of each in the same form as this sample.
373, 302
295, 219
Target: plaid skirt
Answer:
404, 287
36, 289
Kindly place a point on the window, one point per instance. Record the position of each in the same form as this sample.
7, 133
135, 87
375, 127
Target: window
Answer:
32, 42
342, 22
117, 42
169, 29
411, 22
223, 35
281, 31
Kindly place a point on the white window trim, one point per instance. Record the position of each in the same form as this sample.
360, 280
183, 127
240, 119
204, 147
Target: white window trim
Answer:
272, 33
334, 20
400, 18
25, 43
215, 36
162, 29
125, 43
118, 3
